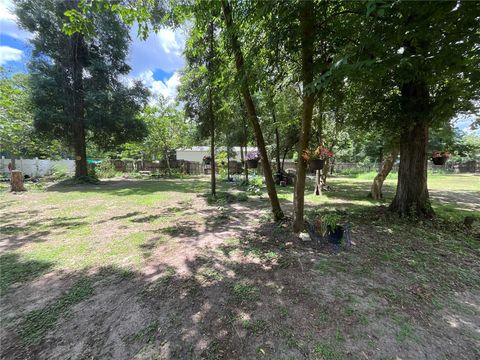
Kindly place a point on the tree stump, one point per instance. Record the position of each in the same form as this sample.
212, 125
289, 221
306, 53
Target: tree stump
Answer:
16, 181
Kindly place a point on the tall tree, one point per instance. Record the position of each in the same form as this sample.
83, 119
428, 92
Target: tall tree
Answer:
307, 26
76, 87
430, 50
199, 85
166, 129
231, 33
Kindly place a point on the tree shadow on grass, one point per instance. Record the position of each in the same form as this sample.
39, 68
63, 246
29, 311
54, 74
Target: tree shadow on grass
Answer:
15, 270
251, 295
16, 235
166, 313
183, 229
135, 187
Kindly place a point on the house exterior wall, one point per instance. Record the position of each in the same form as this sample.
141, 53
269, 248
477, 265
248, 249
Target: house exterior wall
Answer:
197, 153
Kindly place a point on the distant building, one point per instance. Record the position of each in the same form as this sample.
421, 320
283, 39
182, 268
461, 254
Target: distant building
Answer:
197, 153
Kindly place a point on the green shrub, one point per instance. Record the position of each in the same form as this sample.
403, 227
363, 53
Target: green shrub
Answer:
105, 170
242, 197
59, 172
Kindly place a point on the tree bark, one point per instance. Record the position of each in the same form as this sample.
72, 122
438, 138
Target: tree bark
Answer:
325, 170
412, 196
210, 112
228, 163
251, 111
277, 136
16, 181
307, 23
78, 127
277, 149
386, 167
283, 159
168, 162
318, 183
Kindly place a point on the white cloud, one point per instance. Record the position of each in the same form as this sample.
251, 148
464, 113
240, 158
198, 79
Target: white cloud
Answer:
167, 89
162, 50
5, 13
8, 22
8, 53
170, 41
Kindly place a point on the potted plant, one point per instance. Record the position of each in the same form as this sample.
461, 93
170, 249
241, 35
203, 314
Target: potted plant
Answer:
440, 157
252, 159
316, 158
332, 228
207, 159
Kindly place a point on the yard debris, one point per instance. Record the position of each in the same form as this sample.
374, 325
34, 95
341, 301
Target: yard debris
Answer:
304, 236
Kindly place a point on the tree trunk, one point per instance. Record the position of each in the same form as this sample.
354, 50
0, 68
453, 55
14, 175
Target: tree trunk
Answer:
16, 181
277, 149
78, 127
13, 165
325, 171
307, 23
251, 111
168, 162
284, 157
318, 183
210, 112
80, 149
386, 167
412, 196
277, 136
245, 162
228, 163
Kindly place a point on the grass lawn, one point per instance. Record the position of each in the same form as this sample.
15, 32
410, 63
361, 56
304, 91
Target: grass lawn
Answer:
151, 269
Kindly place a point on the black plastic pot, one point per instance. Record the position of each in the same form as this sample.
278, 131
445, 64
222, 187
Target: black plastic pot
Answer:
316, 164
439, 160
252, 163
336, 235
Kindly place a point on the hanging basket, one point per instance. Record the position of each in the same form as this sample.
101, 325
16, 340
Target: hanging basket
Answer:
439, 160
252, 163
316, 164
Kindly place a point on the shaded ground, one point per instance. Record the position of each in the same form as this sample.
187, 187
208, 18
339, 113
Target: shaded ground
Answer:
147, 270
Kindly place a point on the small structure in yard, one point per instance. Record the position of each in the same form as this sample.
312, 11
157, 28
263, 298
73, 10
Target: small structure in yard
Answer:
16, 181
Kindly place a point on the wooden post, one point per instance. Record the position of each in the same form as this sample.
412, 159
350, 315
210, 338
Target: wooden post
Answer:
318, 183
16, 181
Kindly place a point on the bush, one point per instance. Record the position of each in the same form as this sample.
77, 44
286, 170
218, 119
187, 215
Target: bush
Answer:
59, 172
105, 170
242, 197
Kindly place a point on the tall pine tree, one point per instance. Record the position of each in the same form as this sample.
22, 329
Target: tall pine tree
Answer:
76, 88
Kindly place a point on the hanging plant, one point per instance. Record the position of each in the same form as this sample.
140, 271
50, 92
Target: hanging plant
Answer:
252, 159
440, 157
316, 157
207, 159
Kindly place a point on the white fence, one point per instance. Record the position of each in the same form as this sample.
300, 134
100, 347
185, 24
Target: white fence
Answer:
36, 167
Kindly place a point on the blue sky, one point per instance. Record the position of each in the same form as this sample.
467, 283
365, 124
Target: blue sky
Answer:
156, 61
